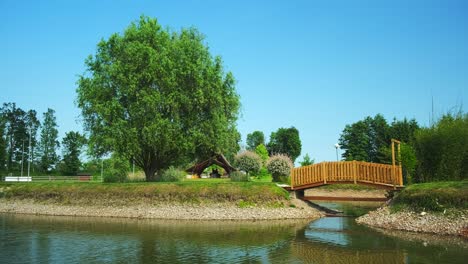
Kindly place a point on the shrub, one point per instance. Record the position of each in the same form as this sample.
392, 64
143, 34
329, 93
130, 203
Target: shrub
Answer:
280, 167
238, 176
262, 152
248, 161
172, 175
262, 173
118, 170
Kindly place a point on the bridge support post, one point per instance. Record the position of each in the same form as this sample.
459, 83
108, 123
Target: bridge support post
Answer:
299, 194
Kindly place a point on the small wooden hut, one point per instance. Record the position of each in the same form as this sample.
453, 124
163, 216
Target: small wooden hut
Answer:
218, 159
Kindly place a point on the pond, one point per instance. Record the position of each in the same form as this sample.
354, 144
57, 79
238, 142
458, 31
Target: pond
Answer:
43, 239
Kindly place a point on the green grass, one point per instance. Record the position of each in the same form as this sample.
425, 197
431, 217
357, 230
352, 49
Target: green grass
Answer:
434, 196
191, 191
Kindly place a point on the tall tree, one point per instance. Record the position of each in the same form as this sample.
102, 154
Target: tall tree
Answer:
3, 145
16, 126
366, 140
355, 142
72, 145
404, 130
254, 139
285, 141
158, 97
49, 143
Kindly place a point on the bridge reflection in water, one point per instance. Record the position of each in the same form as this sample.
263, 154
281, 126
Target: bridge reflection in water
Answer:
340, 240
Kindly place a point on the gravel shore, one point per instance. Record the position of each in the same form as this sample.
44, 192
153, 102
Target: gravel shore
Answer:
423, 222
163, 211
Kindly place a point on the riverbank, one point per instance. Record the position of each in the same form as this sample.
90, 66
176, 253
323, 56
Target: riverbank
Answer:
438, 208
219, 211
187, 200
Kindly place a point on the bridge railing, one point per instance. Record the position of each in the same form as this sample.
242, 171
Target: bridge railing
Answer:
347, 171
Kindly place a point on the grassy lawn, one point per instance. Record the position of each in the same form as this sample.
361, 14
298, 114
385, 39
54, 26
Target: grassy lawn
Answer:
196, 191
434, 196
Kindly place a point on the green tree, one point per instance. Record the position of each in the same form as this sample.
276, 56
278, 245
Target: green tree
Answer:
17, 124
158, 97
355, 142
366, 140
49, 143
404, 130
2, 144
307, 160
72, 145
442, 149
285, 141
254, 139
262, 152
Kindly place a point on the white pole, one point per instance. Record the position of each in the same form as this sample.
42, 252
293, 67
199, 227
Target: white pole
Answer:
22, 160
29, 156
133, 168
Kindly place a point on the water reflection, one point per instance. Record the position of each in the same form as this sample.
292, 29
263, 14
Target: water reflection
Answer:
40, 239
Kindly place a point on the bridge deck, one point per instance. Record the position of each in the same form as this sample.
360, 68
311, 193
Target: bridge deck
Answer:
345, 172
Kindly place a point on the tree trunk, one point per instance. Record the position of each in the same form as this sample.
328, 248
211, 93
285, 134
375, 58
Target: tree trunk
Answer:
150, 174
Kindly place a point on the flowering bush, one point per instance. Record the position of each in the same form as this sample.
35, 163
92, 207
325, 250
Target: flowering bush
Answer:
248, 161
279, 166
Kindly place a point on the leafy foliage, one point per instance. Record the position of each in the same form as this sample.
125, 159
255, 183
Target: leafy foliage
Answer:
173, 175
16, 128
442, 149
116, 169
365, 139
262, 152
238, 176
49, 143
285, 141
307, 160
369, 140
254, 139
72, 144
158, 97
279, 166
248, 161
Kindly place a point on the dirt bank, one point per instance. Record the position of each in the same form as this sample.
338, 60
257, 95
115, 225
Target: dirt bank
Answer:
453, 223
221, 211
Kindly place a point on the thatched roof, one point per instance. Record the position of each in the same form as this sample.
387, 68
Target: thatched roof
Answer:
219, 160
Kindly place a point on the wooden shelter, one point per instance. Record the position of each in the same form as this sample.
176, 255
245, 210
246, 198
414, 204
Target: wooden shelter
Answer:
218, 159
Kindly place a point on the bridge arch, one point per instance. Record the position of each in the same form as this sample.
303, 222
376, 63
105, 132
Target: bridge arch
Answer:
357, 172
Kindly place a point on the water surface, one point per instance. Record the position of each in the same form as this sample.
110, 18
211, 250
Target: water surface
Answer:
42, 239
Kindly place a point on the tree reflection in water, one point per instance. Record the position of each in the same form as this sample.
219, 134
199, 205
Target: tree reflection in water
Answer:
96, 240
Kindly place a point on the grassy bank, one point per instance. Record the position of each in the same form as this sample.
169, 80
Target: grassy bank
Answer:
434, 196
198, 192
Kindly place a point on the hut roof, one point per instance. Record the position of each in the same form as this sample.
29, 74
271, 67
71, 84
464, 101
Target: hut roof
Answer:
218, 159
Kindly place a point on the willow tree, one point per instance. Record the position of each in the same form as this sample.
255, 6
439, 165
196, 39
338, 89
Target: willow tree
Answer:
158, 97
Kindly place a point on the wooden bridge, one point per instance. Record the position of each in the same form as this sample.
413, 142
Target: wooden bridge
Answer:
357, 172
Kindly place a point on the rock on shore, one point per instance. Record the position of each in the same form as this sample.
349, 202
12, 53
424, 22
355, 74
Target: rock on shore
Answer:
163, 211
427, 222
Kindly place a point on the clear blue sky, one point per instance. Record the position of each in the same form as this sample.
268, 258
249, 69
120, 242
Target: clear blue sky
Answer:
306, 64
